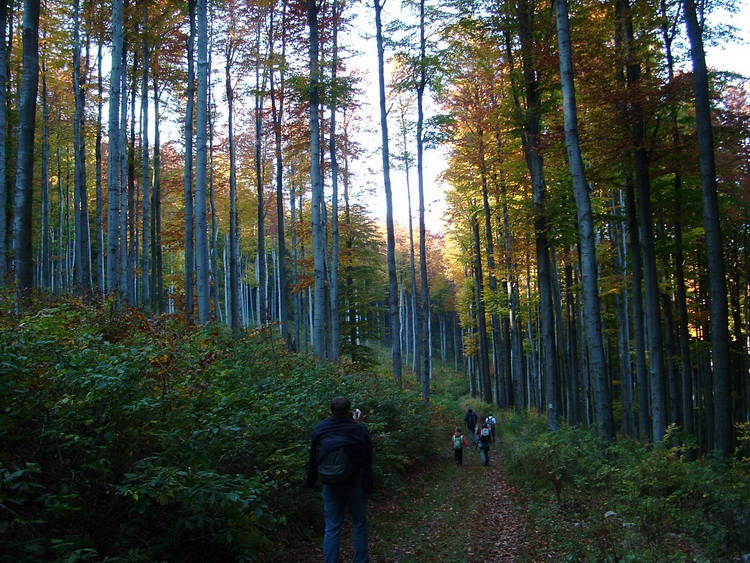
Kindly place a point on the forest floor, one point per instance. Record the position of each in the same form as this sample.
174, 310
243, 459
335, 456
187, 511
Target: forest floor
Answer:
446, 514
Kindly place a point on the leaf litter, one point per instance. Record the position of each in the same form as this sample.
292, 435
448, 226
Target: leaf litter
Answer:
444, 514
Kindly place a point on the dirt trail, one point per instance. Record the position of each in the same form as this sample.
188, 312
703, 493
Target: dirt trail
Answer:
449, 514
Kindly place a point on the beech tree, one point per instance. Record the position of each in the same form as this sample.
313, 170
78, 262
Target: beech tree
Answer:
22, 218
717, 302
393, 309
589, 269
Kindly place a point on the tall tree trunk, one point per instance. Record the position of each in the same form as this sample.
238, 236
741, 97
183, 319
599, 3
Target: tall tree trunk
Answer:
718, 306
277, 113
82, 242
589, 270
101, 277
114, 187
4, 247
483, 366
263, 298
639, 324
24, 202
333, 147
637, 125
157, 283
424, 340
146, 243
130, 240
188, 178
316, 179
234, 282
45, 242
393, 313
201, 168
490, 249
535, 162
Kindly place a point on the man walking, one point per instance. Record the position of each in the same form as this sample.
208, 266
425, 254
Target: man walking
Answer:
341, 454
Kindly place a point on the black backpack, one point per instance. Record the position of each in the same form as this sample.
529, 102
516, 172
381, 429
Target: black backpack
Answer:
336, 467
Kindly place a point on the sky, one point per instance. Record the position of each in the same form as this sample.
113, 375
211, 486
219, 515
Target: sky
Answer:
734, 56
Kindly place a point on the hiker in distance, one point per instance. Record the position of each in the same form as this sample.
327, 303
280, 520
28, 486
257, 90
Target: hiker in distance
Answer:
341, 455
491, 422
484, 434
458, 443
471, 423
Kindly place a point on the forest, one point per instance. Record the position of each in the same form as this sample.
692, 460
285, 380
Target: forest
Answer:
184, 186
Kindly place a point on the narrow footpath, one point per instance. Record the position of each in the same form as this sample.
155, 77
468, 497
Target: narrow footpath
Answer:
447, 514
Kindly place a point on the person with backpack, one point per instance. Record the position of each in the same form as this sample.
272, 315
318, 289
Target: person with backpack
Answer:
484, 435
341, 455
491, 422
471, 423
458, 443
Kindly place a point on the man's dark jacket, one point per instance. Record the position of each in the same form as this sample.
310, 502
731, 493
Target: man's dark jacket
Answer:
341, 431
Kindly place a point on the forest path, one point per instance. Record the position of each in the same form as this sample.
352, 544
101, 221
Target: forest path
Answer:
446, 514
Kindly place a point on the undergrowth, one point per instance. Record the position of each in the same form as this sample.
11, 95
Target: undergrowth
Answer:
591, 501
129, 438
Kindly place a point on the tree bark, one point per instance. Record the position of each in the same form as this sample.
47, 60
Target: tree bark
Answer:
24, 202
718, 306
393, 312
589, 269
424, 342
4, 249
188, 177
201, 170
316, 179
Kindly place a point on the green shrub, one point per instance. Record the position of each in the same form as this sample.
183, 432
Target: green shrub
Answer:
131, 439
626, 500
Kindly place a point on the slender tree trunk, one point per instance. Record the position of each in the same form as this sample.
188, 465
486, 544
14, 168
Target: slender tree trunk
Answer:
146, 245
319, 333
683, 334
718, 306
156, 249
333, 147
188, 178
82, 242
45, 242
395, 321
4, 247
114, 188
201, 170
595, 343
482, 345
277, 112
644, 420
101, 278
490, 249
262, 257
425, 331
22, 219
233, 266
534, 159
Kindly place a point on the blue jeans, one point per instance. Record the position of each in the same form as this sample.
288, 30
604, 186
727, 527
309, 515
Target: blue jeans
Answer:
484, 454
336, 499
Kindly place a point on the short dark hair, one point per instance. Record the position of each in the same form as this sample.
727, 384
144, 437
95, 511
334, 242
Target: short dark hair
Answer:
340, 406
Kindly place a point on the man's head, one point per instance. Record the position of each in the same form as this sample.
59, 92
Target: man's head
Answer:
340, 406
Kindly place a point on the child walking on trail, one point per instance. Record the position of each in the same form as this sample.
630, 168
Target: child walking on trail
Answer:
458, 443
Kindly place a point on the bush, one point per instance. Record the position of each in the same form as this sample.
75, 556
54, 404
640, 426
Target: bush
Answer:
129, 438
627, 500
